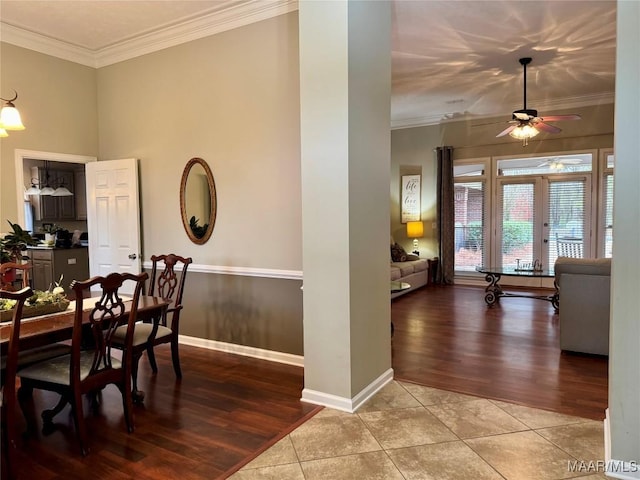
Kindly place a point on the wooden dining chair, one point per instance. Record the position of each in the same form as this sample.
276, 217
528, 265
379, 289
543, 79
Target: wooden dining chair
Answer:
6, 269
165, 282
8, 379
89, 370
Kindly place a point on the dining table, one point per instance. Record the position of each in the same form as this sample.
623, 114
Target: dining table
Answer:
50, 328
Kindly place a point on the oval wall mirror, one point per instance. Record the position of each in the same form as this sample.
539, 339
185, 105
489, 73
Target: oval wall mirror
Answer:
198, 201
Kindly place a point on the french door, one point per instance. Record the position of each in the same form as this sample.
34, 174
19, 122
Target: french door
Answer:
540, 218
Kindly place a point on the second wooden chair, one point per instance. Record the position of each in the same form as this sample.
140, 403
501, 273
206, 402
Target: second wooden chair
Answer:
168, 284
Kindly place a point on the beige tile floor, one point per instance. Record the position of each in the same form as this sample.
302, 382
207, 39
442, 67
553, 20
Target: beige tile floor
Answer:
409, 431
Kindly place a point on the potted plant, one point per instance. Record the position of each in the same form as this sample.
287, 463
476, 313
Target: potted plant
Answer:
15, 242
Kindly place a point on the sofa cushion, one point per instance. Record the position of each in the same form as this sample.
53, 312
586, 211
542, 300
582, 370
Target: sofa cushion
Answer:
585, 266
398, 254
396, 274
407, 268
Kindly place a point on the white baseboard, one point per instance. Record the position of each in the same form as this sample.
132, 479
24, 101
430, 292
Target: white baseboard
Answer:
617, 468
244, 350
344, 404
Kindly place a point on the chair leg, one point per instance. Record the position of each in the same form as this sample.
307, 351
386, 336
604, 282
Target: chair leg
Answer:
175, 357
47, 415
152, 359
127, 401
138, 396
78, 419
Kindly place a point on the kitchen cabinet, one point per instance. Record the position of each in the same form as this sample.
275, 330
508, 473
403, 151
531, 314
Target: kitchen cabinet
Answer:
48, 264
59, 208
80, 193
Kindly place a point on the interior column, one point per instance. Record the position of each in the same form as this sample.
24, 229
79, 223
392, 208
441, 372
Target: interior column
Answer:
345, 84
624, 357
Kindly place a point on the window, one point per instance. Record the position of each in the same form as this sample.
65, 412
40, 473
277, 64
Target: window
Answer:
470, 207
512, 211
606, 235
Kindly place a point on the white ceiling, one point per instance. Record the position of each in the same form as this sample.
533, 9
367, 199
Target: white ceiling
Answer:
451, 59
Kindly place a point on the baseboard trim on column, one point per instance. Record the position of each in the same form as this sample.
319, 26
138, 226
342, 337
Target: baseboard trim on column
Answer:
617, 468
344, 404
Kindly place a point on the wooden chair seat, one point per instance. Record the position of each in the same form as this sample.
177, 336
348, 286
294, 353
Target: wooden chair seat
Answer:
34, 355
56, 370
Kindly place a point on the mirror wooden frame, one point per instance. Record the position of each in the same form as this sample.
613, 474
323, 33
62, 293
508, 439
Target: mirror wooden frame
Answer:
213, 199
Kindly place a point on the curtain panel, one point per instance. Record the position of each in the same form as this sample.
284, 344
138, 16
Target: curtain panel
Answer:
445, 207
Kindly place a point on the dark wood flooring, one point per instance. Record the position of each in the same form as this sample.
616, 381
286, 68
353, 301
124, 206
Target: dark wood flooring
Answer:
227, 408
225, 411
446, 337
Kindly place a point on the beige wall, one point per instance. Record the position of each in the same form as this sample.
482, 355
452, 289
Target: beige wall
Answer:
414, 147
57, 102
233, 100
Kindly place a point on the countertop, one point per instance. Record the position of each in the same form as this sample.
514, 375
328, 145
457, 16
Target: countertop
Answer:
45, 247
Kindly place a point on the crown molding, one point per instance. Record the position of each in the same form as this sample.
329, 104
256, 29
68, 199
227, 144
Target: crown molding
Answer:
207, 25
47, 45
541, 106
204, 26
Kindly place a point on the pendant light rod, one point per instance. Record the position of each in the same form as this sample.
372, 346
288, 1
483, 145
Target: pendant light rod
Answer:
524, 62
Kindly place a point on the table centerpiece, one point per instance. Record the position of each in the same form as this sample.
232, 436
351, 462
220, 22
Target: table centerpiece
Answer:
40, 303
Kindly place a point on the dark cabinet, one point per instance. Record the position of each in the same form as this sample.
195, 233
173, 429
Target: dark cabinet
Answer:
59, 208
48, 265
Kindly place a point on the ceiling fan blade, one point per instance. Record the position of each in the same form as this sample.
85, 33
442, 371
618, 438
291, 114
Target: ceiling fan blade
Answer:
555, 118
506, 131
547, 128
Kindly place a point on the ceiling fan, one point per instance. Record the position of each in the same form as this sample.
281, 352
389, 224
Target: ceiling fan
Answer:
558, 163
526, 123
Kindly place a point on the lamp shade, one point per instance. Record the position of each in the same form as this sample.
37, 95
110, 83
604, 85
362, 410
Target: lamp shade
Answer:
47, 191
10, 118
32, 190
415, 229
3, 133
61, 192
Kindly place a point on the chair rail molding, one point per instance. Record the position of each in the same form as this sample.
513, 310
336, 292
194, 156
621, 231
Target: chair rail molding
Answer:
241, 271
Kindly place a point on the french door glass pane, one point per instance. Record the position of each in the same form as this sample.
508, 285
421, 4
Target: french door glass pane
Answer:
469, 225
518, 212
566, 219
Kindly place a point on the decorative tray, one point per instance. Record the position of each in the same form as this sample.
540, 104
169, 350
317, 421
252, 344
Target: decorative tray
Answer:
36, 310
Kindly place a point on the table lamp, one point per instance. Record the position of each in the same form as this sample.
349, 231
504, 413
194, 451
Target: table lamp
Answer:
415, 230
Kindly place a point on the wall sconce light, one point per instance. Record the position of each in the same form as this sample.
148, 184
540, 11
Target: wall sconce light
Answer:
415, 230
10, 117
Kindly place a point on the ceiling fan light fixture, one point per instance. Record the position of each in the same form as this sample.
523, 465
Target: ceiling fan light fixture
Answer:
524, 132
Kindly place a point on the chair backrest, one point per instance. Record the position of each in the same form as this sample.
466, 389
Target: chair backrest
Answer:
7, 267
11, 359
106, 314
166, 283
569, 247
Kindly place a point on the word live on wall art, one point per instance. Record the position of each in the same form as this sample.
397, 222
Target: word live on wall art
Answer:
410, 199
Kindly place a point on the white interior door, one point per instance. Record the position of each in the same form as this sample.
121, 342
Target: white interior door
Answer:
113, 217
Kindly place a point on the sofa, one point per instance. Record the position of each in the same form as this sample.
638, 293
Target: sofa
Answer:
584, 289
409, 268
